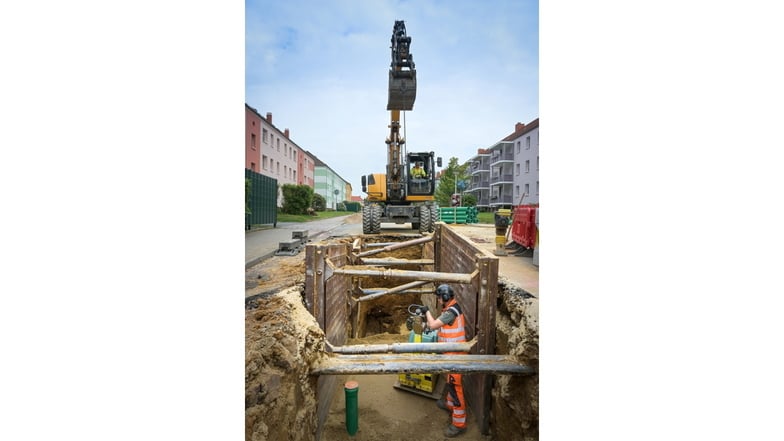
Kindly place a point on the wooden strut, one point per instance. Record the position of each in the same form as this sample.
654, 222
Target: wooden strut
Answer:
420, 364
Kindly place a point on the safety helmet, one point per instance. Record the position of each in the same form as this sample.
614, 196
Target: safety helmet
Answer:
445, 292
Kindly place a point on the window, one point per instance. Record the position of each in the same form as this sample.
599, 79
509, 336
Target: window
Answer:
517, 190
278, 170
294, 176
527, 142
517, 169
285, 171
253, 166
526, 188
253, 141
537, 163
278, 144
527, 166
518, 146
264, 162
537, 188
264, 135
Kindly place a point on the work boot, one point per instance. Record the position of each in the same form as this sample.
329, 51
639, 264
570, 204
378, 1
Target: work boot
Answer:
452, 431
442, 405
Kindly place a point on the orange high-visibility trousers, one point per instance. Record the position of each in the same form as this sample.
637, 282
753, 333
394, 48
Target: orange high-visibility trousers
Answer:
455, 399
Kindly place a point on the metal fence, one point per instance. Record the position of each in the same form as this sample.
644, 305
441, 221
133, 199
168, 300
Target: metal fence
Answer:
262, 201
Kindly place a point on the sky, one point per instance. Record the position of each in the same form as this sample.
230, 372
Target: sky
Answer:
321, 69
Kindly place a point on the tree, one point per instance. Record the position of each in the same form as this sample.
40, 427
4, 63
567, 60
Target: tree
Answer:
469, 200
319, 202
296, 198
449, 176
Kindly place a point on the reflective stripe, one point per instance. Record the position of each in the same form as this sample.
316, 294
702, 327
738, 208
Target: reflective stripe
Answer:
454, 333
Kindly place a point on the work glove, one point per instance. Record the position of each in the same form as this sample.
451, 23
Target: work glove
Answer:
423, 310
410, 323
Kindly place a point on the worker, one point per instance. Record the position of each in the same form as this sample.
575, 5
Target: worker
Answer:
418, 171
451, 329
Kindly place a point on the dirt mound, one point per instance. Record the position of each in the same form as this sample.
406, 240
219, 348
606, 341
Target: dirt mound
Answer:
282, 340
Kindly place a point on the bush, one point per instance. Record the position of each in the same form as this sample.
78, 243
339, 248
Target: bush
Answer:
469, 200
297, 198
319, 203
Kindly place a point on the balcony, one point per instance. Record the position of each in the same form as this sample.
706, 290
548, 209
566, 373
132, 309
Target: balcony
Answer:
501, 157
505, 199
502, 179
479, 185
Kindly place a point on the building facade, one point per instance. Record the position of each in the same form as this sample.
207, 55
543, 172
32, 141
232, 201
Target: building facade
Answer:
330, 185
507, 173
272, 153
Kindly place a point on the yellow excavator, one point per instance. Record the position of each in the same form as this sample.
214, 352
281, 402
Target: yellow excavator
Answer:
401, 195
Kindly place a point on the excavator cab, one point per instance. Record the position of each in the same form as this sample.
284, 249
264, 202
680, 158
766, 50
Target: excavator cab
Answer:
402, 72
421, 183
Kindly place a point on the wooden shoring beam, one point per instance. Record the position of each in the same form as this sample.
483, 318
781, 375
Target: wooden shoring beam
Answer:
393, 262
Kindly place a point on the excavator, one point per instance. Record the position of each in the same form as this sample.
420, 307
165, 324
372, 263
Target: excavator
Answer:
401, 196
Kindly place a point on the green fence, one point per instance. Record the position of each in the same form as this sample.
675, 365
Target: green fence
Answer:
263, 200
353, 206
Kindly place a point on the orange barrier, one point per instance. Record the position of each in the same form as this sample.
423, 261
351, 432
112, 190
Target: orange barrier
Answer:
524, 226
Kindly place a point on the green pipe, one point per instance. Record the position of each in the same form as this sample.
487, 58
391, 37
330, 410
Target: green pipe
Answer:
352, 407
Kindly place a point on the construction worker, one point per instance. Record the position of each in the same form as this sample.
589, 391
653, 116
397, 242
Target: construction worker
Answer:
418, 172
451, 328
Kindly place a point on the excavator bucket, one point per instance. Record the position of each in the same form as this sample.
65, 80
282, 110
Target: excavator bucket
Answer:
402, 90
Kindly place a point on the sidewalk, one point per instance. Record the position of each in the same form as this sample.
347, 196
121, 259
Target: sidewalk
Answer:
262, 244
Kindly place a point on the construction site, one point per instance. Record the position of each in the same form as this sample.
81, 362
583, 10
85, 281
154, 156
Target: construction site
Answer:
336, 313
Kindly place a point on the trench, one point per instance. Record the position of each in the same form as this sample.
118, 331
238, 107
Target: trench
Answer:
391, 407
287, 334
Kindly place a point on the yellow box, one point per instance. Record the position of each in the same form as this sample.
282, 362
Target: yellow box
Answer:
425, 382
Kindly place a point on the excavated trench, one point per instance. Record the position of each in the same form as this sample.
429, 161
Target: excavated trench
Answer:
284, 340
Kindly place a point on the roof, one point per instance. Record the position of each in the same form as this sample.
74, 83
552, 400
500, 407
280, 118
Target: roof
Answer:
522, 130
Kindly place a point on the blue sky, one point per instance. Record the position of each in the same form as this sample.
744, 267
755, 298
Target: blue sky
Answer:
321, 69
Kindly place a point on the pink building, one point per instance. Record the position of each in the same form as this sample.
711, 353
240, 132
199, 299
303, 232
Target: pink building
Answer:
252, 138
271, 152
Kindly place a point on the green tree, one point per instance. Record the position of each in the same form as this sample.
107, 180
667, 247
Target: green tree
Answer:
446, 186
319, 202
469, 200
296, 198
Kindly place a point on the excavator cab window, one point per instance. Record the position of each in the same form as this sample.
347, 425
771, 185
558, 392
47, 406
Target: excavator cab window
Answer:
420, 180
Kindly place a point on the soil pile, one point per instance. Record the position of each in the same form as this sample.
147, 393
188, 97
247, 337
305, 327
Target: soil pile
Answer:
282, 340
515, 412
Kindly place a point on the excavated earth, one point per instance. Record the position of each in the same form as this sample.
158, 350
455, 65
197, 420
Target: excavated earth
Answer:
282, 341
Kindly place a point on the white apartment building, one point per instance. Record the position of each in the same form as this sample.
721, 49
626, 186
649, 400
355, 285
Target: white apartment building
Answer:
507, 173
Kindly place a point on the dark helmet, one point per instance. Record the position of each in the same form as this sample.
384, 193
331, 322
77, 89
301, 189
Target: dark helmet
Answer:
445, 292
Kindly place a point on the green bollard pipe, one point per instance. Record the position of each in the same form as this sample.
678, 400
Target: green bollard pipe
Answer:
352, 407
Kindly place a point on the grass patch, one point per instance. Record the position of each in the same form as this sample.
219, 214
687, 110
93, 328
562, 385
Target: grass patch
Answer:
282, 217
485, 217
